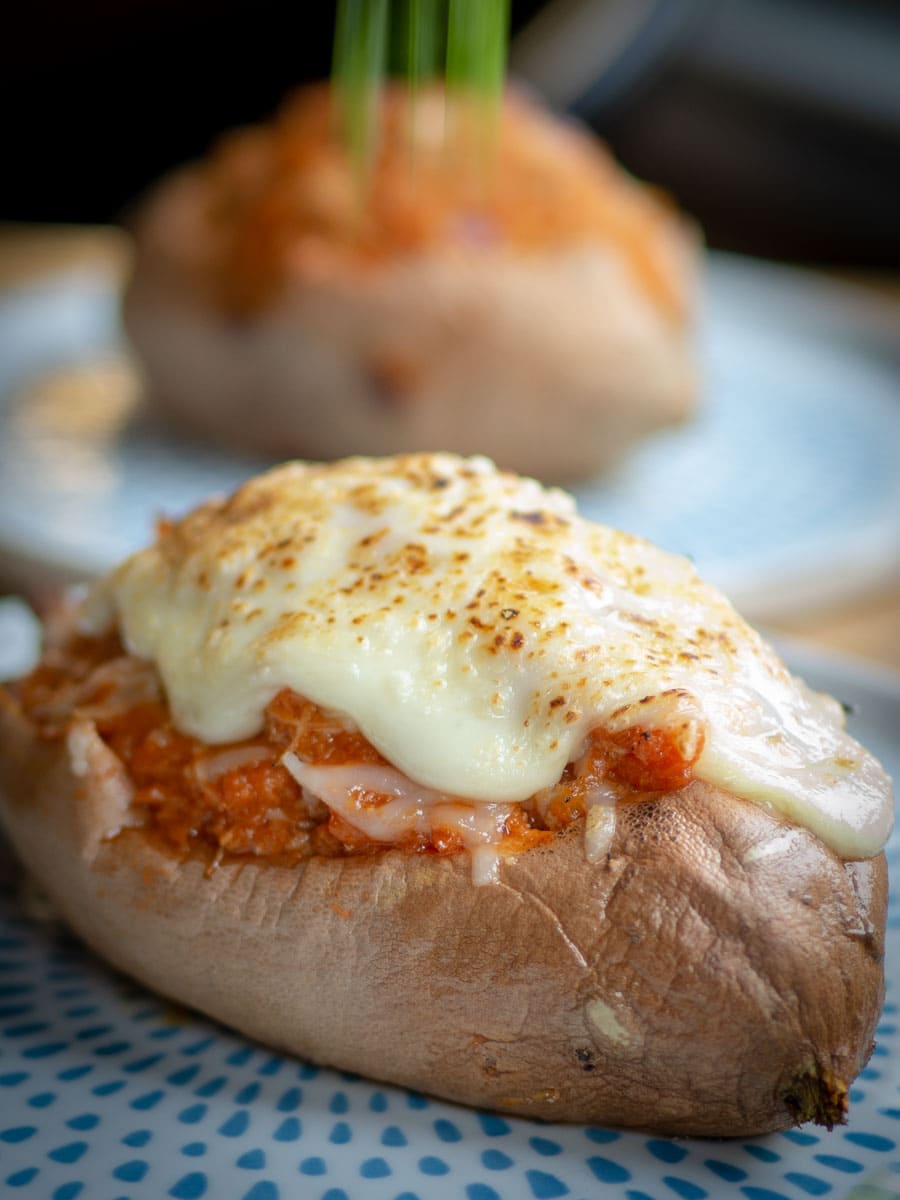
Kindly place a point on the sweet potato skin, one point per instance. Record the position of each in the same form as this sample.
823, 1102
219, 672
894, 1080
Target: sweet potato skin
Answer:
498, 356
720, 973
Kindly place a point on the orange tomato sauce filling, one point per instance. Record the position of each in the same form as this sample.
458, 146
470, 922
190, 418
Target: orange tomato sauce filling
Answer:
284, 199
239, 799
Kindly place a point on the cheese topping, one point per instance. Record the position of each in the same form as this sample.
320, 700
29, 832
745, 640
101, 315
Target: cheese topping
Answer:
475, 629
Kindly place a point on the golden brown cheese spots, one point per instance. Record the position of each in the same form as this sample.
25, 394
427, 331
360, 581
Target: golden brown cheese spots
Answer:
476, 632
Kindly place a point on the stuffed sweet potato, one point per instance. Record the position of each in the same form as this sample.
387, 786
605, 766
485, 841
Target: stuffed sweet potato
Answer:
405, 768
274, 306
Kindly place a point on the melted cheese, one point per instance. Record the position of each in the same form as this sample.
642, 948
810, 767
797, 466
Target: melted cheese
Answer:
387, 807
476, 629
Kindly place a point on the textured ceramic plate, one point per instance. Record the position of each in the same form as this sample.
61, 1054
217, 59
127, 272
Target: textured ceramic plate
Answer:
790, 467
106, 1092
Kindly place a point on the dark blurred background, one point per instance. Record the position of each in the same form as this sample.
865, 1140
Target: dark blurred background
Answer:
776, 122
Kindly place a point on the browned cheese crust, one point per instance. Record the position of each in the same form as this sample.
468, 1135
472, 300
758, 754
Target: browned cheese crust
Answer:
688, 984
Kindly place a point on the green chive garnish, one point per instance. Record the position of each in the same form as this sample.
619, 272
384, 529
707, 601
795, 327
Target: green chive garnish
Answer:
470, 35
477, 33
425, 22
358, 67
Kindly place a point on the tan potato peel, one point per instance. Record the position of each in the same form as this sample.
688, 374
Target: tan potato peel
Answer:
719, 973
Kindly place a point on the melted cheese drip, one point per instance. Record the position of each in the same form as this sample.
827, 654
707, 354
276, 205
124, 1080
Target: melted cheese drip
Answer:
476, 629
387, 807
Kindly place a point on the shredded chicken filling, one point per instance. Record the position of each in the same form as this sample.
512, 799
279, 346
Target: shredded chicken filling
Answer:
310, 783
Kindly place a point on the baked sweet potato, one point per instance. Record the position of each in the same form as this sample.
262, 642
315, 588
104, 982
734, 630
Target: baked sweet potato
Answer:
542, 316
647, 947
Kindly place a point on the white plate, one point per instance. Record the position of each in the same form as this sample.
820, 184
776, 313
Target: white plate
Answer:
785, 489
107, 1092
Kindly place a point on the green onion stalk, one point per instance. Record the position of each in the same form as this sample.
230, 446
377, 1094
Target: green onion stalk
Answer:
415, 39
